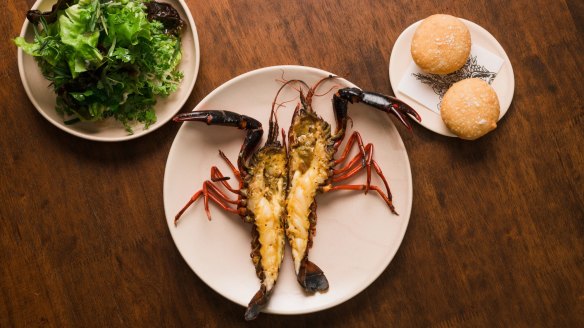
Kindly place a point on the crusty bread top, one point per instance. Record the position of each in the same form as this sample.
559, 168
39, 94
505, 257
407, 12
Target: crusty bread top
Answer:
441, 44
470, 108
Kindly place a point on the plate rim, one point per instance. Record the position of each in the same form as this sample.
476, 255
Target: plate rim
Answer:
372, 277
159, 123
437, 125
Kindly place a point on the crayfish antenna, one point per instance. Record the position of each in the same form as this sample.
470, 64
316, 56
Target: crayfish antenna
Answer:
284, 141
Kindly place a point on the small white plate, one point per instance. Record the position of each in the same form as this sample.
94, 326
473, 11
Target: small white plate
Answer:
357, 235
401, 58
42, 96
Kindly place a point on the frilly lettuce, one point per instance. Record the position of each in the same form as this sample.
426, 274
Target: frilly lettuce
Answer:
107, 59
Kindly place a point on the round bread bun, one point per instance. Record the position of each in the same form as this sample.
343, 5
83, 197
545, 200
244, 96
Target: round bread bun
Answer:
470, 108
441, 44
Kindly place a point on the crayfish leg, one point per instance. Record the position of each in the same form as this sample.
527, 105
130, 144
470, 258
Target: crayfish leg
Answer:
210, 191
386, 197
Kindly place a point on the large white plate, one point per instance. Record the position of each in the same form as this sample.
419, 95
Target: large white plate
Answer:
357, 236
43, 98
400, 59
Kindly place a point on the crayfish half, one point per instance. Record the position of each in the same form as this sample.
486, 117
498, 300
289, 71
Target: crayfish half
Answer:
313, 168
259, 197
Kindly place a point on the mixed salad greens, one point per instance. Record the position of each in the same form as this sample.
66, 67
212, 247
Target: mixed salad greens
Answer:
107, 58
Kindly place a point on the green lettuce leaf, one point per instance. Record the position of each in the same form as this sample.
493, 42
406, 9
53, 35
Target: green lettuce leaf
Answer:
77, 28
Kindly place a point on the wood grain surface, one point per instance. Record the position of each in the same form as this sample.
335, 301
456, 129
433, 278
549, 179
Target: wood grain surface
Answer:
496, 235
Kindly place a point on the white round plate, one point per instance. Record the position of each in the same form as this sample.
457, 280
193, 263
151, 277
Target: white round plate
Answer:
401, 58
43, 98
357, 235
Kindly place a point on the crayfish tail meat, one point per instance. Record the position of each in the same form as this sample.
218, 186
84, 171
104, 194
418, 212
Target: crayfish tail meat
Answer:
266, 195
311, 151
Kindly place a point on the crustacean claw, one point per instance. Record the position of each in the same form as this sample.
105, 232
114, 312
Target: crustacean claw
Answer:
385, 103
226, 118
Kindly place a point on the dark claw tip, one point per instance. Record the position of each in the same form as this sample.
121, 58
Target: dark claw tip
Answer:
181, 117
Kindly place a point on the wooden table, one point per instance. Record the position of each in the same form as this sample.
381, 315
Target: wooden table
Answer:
496, 235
